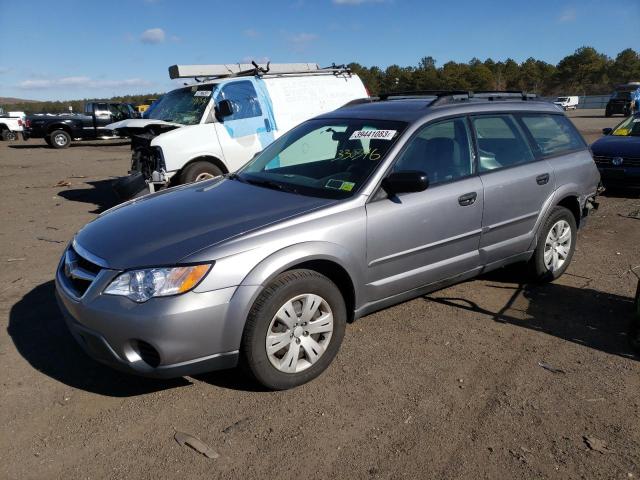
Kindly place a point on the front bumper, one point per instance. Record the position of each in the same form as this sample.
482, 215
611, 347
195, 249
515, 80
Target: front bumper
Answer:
164, 337
620, 176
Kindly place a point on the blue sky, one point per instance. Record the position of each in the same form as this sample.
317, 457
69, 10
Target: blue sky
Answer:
71, 49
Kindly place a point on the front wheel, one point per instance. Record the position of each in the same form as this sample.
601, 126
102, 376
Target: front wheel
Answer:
294, 329
556, 244
198, 171
59, 139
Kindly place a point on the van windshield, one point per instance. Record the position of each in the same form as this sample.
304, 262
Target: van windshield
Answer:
326, 157
562, 99
184, 105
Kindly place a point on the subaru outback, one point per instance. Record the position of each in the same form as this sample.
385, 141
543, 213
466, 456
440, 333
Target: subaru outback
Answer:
353, 211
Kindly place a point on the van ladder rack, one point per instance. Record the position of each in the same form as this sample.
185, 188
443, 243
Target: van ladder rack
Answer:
210, 72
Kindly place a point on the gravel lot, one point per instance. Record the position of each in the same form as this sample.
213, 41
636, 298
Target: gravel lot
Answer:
445, 386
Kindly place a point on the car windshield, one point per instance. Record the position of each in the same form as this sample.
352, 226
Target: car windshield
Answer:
622, 95
184, 105
328, 157
562, 99
629, 128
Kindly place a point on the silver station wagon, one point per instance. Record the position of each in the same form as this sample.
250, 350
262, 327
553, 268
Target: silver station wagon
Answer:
350, 212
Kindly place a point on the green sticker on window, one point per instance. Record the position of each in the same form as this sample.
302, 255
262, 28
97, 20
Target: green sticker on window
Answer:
347, 186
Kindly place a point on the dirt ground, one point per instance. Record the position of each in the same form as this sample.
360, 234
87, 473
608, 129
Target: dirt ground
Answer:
445, 386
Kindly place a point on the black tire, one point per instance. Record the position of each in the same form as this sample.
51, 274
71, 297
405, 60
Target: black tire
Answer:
59, 139
8, 135
197, 170
539, 269
607, 112
253, 350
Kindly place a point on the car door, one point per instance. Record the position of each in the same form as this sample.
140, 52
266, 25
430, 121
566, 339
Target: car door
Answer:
251, 126
102, 117
415, 239
516, 186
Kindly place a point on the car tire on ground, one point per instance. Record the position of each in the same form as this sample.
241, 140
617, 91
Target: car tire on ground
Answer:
8, 135
294, 329
198, 171
47, 139
59, 139
555, 247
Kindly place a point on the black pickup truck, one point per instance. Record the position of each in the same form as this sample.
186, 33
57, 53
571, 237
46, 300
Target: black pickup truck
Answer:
59, 130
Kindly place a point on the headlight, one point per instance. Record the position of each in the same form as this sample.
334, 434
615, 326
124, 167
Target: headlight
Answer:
141, 285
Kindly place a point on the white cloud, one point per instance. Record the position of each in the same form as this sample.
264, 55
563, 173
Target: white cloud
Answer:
300, 41
251, 33
153, 35
81, 82
568, 15
356, 2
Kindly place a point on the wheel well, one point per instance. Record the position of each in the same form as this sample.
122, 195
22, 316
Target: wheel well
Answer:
53, 128
3, 127
573, 205
217, 162
337, 275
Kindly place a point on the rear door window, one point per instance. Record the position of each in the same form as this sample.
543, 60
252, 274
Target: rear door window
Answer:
501, 142
553, 134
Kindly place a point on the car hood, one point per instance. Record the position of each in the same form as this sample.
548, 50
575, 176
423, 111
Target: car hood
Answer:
617, 146
164, 228
140, 123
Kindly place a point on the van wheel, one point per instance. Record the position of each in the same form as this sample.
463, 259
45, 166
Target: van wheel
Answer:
8, 135
294, 330
556, 244
59, 139
607, 112
198, 171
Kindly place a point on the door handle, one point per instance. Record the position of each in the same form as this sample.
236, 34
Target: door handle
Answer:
542, 179
267, 124
467, 199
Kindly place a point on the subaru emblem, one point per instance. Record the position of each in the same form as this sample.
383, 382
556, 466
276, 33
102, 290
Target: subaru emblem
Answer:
616, 161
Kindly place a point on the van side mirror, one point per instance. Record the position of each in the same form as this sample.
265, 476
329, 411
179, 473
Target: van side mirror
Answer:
405, 182
607, 131
224, 108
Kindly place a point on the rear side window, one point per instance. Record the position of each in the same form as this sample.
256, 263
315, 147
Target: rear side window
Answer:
553, 134
244, 99
501, 142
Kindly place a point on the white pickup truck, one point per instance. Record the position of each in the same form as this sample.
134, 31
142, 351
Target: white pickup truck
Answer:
218, 123
11, 124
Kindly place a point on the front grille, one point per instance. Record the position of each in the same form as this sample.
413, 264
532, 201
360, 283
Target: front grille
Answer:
603, 161
148, 354
78, 272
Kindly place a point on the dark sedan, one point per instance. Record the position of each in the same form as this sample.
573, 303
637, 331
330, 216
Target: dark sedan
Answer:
617, 154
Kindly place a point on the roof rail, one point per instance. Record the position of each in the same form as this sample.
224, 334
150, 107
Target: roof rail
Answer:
251, 69
450, 96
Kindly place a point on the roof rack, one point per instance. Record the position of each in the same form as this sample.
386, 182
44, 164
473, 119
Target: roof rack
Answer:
450, 96
251, 69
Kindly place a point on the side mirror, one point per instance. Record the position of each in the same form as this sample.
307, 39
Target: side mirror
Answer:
224, 108
405, 182
607, 131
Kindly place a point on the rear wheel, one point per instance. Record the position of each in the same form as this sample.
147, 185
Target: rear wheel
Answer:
294, 329
556, 244
59, 139
8, 135
198, 171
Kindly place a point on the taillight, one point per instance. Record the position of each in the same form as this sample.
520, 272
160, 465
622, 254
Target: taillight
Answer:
20, 122
27, 123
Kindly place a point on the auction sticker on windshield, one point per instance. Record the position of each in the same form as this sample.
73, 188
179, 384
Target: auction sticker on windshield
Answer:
373, 134
202, 93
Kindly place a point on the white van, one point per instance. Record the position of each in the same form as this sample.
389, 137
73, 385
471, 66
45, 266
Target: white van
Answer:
216, 125
567, 103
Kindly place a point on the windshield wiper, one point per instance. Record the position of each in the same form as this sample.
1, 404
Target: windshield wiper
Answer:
270, 184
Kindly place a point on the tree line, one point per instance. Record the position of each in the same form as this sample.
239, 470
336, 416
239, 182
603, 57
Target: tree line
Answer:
584, 72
